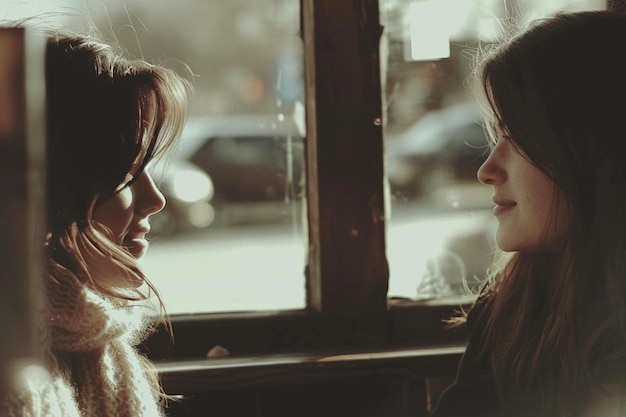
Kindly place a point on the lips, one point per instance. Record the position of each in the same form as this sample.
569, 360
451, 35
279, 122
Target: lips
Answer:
503, 205
136, 242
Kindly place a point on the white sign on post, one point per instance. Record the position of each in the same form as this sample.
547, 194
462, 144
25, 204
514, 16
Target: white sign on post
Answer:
429, 35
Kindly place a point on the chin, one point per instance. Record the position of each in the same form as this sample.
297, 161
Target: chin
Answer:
136, 247
138, 254
508, 246
513, 242
524, 247
505, 244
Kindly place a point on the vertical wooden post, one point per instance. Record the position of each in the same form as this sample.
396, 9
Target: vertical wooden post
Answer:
22, 226
347, 270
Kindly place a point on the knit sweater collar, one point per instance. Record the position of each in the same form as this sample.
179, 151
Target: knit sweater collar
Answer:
81, 319
95, 370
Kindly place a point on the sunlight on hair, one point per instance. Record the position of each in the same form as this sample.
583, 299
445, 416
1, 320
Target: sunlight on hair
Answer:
51, 12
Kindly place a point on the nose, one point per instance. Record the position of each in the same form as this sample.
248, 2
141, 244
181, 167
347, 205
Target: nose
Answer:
150, 200
491, 172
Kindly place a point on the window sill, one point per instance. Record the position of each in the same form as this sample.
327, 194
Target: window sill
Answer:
405, 325
191, 377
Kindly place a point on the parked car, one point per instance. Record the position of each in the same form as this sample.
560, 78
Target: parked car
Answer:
255, 162
188, 191
465, 256
445, 147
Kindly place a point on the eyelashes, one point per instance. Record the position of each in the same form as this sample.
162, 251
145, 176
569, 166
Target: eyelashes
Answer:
128, 180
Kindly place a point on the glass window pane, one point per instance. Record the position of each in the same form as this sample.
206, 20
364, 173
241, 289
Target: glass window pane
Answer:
440, 237
240, 245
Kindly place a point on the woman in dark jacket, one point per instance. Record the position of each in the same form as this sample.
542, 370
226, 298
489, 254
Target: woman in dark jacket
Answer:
548, 334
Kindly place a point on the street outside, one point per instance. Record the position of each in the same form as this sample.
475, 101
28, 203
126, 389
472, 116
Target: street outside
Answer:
261, 266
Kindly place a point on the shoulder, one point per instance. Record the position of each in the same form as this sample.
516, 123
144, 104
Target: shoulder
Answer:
479, 312
606, 401
474, 392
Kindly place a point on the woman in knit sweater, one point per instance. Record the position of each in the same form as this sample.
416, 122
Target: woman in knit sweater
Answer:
107, 119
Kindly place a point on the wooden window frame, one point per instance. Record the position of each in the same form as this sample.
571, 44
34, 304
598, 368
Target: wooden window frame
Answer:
22, 191
347, 273
349, 325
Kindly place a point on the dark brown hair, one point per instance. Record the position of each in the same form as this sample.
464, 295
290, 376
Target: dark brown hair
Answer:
557, 323
105, 114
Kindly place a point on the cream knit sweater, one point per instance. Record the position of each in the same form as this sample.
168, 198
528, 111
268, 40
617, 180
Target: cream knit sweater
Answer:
89, 342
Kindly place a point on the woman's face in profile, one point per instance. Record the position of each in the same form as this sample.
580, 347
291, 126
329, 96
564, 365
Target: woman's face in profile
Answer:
126, 214
526, 200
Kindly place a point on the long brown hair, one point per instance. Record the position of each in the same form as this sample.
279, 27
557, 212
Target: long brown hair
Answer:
557, 322
105, 114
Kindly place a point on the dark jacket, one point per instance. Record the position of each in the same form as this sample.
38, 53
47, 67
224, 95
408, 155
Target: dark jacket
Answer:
474, 393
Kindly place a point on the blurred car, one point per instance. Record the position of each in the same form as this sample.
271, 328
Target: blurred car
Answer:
255, 162
188, 191
461, 265
443, 148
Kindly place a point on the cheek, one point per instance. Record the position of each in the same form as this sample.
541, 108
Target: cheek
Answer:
116, 213
560, 213
548, 217
541, 203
